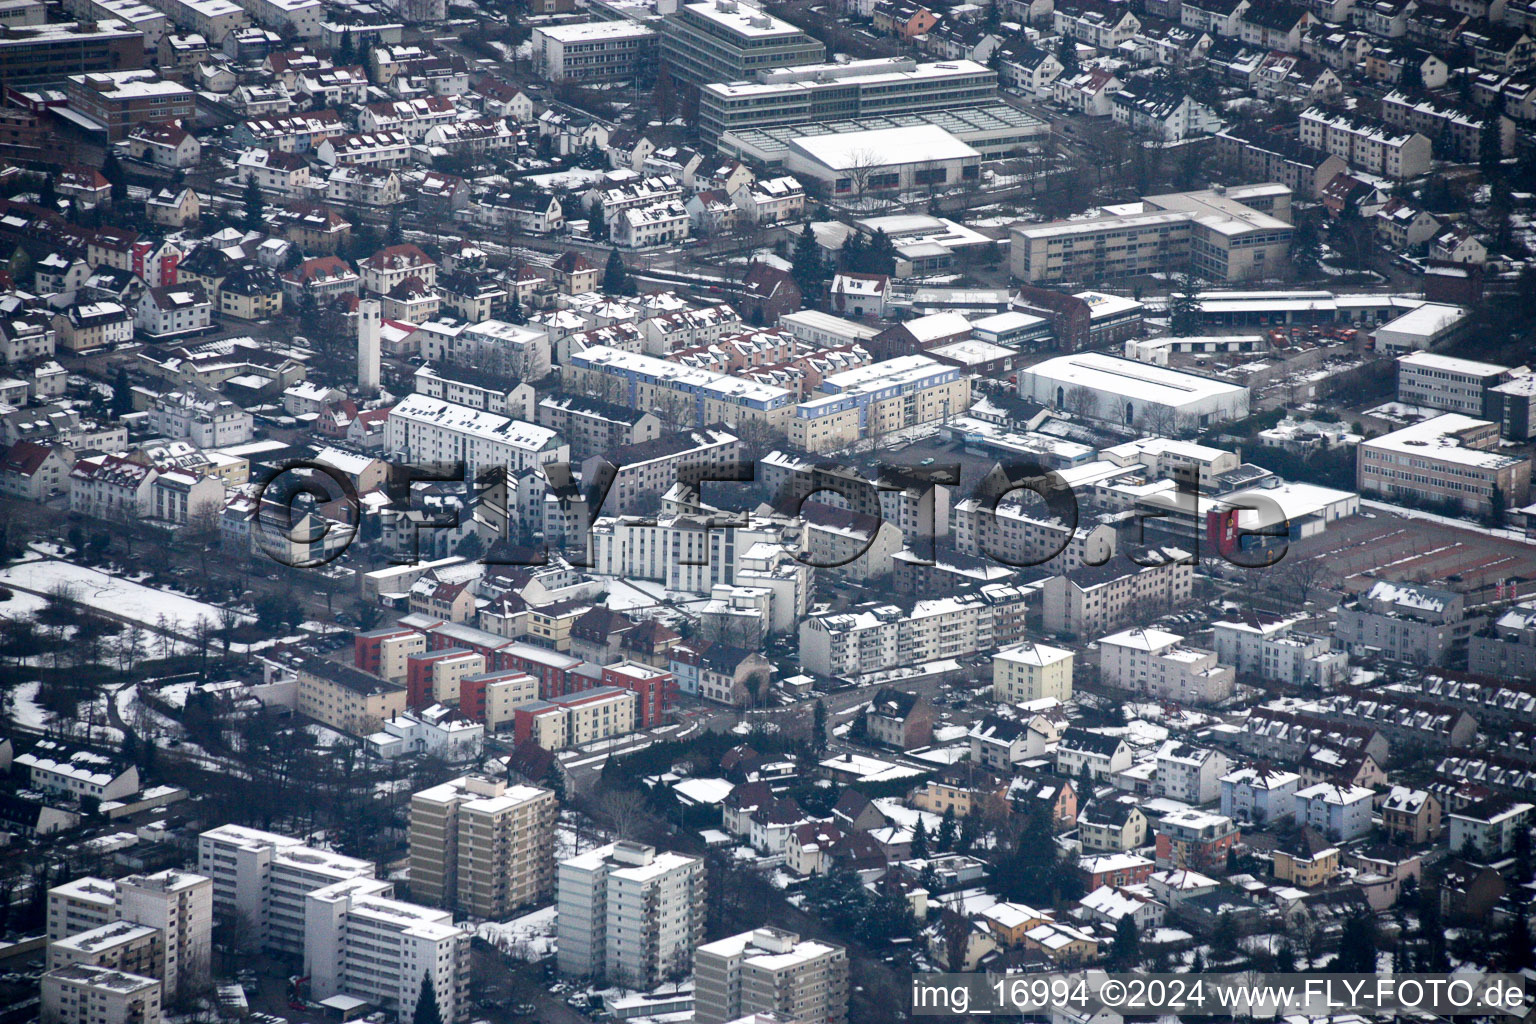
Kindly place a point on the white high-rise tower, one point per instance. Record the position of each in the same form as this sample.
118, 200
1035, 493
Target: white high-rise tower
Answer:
370, 320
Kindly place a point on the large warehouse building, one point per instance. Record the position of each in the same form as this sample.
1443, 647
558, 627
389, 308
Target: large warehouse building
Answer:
1123, 391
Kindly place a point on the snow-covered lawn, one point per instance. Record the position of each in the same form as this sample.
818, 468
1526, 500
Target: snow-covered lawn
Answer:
25, 709
113, 594
530, 937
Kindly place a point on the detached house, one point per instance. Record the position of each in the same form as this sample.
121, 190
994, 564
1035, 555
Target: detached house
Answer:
164, 145
167, 312
900, 719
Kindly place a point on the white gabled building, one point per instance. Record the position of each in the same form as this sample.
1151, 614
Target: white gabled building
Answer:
657, 224
55, 768
421, 428
1155, 663
1188, 773
1259, 795
771, 200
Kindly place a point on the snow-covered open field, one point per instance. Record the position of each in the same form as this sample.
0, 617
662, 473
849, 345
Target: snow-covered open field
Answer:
113, 594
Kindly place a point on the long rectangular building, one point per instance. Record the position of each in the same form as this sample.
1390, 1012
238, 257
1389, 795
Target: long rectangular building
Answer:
592, 51
422, 428
688, 394
864, 88
728, 41
1450, 458
878, 400
1224, 236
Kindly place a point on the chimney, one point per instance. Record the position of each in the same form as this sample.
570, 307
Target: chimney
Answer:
370, 318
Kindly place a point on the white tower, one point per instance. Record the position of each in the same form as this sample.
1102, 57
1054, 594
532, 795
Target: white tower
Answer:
370, 319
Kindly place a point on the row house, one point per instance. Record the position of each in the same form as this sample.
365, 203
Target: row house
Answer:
1259, 154
411, 118
1166, 112
526, 211
481, 135
1218, 17
111, 487
1101, 25
1388, 64
1286, 76
1385, 18
369, 149
1170, 44
1375, 146
299, 133
1459, 134
313, 228
1090, 92
333, 87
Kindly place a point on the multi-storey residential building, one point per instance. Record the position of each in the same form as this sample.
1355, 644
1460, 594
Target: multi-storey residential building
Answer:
123, 100
1195, 839
1219, 236
593, 51
879, 399
1007, 532
1155, 663
1458, 134
1338, 811
384, 652
648, 469
860, 88
429, 429
769, 971
1450, 458
204, 419
344, 698
176, 906
729, 41
629, 913
261, 880
1488, 828
1103, 757
695, 397
1095, 599
211, 19
86, 994
585, 716
592, 426
888, 636
1407, 622
1260, 155
1259, 795
1366, 144
1189, 773
1411, 816
1031, 672
359, 942
121, 946
482, 846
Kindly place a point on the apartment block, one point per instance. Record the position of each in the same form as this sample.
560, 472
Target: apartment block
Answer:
1269, 648
344, 698
770, 971
1010, 534
1447, 459
877, 400
122, 946
729, 41
1366, 144
1338, 811
1189, 773
384, 652
1489, 827
629, 914
429, 429
85, 994
261, 879
482, 846
577, 718
1407, 622
361, 943
701, 397
177, 905
1098, 598
889, 636
1157, 664
1458, 134
1031, 672
1259, 795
